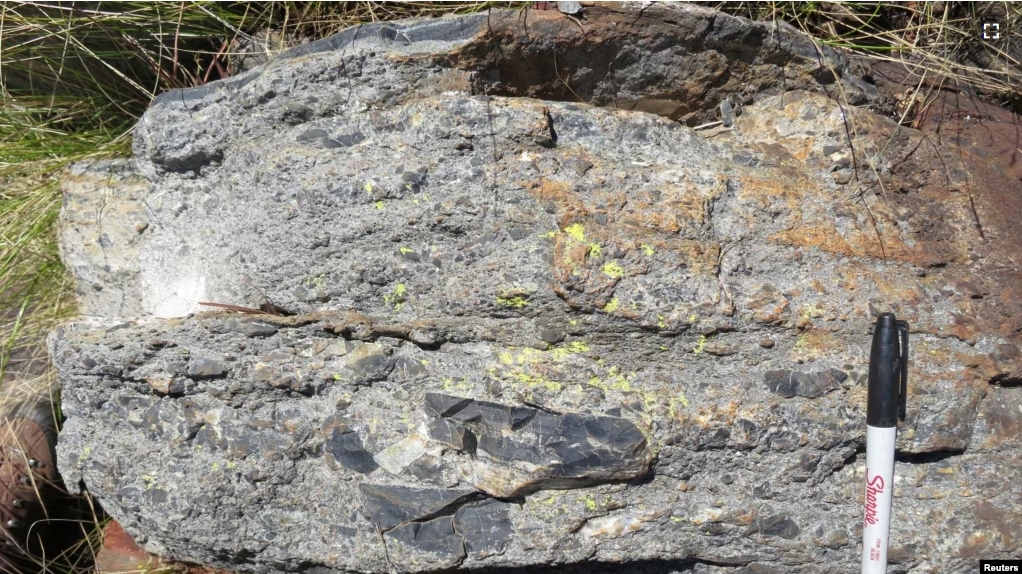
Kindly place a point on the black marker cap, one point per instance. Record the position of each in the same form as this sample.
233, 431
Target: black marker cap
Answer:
888, 373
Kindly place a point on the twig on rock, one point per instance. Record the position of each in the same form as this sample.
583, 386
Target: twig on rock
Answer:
267, 308
386, 553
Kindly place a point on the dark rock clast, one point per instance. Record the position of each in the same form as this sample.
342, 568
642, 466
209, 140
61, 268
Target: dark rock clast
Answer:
452, 434
523, 449
775, 525
809, 385
445, 524
485, 525
344, 448
436, 537
388, 506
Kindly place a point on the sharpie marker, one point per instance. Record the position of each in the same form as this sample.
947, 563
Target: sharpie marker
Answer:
885, 405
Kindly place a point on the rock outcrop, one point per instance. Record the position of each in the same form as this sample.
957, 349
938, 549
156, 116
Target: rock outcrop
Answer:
510, 318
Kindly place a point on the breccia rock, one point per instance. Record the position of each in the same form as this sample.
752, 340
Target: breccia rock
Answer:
529, 329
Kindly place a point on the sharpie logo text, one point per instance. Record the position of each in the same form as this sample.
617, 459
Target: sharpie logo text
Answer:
874, 487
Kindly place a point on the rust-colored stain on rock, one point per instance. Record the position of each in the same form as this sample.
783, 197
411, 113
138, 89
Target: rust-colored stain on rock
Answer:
120, 553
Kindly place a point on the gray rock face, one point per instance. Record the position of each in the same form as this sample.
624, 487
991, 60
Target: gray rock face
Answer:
530, 331
111, 288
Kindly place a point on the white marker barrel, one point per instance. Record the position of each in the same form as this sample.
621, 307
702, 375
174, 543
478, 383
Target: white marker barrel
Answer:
876, 524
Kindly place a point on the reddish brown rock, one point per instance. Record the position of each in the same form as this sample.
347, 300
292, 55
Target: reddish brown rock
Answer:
119, 553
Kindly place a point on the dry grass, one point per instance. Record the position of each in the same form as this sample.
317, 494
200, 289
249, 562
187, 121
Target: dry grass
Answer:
942, 41
74, 78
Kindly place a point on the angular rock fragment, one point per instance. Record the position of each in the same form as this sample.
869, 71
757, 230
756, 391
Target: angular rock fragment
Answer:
402, 454
370, 362
390, 505
202, 367
780, 525
344, 448
486, 527
611, 526
436, 538
480, 528
523, 449
452, 434
809, 385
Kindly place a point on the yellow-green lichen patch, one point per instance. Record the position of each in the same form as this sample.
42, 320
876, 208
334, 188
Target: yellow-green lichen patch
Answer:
526, 368
614, 380
654, 399
811, 311
649, 401
613, 270
526, 355
514, 297
379, 205
814, 344
700, 345
369, 186
598, 504
595, 250
672, 405
536, 381
404, 250
316, 282
548, 234
563, 351
570, 370
611, 305
461, 384
514, 301
576, 232
397, 297
647, 250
